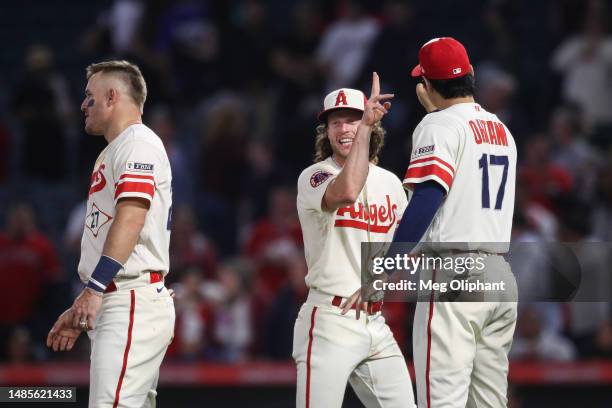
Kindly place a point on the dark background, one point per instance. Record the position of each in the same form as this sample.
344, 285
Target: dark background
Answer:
234, 89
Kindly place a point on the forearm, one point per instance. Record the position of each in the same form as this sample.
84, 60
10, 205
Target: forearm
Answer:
123, 236
350, 181
419, 214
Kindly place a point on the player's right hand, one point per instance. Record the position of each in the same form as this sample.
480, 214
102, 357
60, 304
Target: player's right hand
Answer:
374, 110
62, 336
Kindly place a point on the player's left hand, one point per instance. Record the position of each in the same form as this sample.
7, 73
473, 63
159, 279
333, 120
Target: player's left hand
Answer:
85, 308
62, 335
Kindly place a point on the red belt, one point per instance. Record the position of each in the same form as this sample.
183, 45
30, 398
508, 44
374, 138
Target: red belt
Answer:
371, 308
154, 277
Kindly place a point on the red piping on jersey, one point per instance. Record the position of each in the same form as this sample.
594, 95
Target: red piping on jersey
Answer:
431, 309
426, 159
363, 226
312, 323
429, 170
127, 347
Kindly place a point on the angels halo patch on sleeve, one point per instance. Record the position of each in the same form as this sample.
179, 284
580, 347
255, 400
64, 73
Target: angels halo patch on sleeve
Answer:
318, 178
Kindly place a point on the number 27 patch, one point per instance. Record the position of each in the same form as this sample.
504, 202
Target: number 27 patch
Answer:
96, 219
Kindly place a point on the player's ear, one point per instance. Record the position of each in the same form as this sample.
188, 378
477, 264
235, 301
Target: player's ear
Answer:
472, 69
111, 97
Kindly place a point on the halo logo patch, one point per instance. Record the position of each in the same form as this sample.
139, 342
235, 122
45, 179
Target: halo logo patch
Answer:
319, 178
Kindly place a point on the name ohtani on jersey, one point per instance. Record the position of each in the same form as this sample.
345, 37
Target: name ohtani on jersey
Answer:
472, 155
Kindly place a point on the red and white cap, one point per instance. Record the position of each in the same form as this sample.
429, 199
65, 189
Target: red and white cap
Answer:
442, 58
343, 98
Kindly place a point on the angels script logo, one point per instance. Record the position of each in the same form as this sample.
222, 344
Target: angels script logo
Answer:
98, 181
379, 217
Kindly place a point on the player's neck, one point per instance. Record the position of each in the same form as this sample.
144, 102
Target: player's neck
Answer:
338, 160
117, 127
442, 103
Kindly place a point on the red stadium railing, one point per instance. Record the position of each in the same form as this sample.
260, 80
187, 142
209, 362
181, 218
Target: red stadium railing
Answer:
281, 374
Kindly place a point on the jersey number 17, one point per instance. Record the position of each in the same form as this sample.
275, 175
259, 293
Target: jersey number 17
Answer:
484, 163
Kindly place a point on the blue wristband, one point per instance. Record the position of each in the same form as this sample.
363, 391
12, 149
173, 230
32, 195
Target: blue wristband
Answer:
105, 271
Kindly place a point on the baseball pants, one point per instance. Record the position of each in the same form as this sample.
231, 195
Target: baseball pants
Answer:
331, 349
133, 331
461, 348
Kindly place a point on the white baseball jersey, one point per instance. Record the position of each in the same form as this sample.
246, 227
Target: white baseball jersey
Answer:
332, 239
134, 164
472, 154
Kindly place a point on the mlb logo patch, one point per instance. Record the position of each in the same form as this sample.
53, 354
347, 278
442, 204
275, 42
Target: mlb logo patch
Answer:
319, 178
456, 71
139, 167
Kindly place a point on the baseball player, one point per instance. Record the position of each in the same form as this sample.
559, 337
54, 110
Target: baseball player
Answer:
462, 172
126, 310
345, 199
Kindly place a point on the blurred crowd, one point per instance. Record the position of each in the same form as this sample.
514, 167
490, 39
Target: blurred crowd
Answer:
234, 89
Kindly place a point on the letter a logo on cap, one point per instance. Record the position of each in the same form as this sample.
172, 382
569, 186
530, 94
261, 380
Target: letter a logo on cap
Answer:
344, 98
341, 99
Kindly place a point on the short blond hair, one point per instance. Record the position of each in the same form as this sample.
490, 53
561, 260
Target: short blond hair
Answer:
323, 148
126, 71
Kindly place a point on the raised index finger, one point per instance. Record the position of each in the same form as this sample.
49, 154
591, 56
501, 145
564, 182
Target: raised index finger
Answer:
375, 85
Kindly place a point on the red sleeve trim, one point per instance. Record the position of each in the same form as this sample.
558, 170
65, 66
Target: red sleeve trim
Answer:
427, 171
134, 187
426, 159
138, 176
